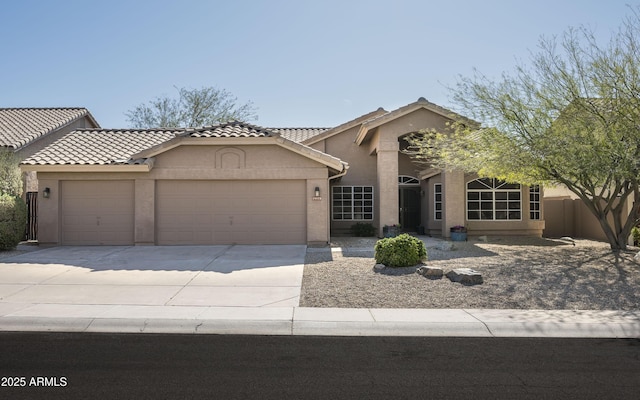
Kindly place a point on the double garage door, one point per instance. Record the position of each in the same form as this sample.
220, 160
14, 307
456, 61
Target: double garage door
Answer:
187, 212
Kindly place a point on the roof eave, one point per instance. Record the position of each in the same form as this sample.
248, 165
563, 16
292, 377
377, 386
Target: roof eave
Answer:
313, 154
145, 167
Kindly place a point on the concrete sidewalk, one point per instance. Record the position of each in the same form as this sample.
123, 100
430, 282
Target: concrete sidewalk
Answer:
236, 290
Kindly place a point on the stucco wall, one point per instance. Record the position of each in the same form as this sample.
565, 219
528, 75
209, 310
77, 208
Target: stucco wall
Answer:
571, 217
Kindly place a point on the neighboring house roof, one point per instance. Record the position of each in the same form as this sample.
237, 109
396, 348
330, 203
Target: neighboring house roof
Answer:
21, 126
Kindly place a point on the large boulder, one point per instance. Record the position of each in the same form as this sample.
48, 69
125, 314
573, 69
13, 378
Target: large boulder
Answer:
466, 276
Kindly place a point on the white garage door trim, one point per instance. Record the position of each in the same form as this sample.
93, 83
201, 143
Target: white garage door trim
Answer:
97, 212
231, 212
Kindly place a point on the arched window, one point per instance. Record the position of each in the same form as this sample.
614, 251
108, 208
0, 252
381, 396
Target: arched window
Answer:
408, 180
493, 200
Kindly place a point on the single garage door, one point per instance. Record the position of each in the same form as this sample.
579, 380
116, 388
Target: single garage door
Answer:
231, 212
97, 212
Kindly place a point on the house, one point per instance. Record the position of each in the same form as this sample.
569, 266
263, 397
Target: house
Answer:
25, 131
240, 183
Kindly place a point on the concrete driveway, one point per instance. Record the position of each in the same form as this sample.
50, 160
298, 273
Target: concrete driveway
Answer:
213, 276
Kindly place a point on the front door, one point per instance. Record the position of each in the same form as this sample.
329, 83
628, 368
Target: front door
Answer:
409, 208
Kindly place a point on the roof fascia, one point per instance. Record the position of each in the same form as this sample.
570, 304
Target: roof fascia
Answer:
313, 154
146, 167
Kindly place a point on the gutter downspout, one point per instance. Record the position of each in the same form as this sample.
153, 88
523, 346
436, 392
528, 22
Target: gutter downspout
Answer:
345, 168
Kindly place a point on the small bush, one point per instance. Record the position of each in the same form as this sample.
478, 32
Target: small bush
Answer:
13, 221
363, 229
400, 251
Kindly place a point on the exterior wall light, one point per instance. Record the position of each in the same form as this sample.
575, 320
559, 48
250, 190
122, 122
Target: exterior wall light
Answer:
46, 193
317, 191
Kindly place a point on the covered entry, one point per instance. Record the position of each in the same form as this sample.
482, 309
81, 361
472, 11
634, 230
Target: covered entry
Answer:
409, 203
231, 212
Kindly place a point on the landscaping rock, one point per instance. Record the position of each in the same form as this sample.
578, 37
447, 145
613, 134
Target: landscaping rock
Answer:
466, 276
379, 267
637, 257
483, 239
446, 246
430, 272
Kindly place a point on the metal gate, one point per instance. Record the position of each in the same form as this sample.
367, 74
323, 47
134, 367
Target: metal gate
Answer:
32, 216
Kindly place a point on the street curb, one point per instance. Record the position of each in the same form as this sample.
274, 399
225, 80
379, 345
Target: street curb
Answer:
357, 322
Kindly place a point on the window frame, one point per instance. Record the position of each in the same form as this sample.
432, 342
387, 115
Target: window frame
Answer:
488, 195
437, 190
534, 200
367, 201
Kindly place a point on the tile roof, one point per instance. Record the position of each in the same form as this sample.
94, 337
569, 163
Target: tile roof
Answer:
100, 147
233, 129
20, 126
298, 134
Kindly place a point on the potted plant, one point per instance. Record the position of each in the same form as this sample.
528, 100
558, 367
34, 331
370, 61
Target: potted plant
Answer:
458, 233
390, 230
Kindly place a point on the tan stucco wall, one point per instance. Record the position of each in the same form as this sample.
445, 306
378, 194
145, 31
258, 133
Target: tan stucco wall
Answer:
197, 162
571, 217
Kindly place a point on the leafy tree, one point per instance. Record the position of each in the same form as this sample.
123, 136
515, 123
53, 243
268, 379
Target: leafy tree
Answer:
10, 175
193, 107
13, 221
572, 118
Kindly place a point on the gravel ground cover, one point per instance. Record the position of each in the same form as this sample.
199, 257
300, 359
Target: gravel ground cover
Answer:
518, 273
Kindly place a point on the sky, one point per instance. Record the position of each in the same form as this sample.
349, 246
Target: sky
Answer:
301, 63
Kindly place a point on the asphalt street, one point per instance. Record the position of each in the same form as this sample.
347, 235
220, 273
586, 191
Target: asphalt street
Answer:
152, 366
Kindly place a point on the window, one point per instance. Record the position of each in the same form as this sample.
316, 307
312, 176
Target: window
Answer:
437, 201
493, 200
534, 202
352, 203
407, 180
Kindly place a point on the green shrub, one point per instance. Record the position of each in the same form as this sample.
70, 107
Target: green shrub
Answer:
635, 232
363, 229
13, 221
400, 251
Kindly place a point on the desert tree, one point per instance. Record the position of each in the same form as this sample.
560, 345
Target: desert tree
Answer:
191, 107
571, 116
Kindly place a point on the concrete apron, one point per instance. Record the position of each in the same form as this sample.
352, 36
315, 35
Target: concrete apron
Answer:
165, 281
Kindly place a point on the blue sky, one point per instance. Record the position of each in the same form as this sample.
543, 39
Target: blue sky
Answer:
302, 63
